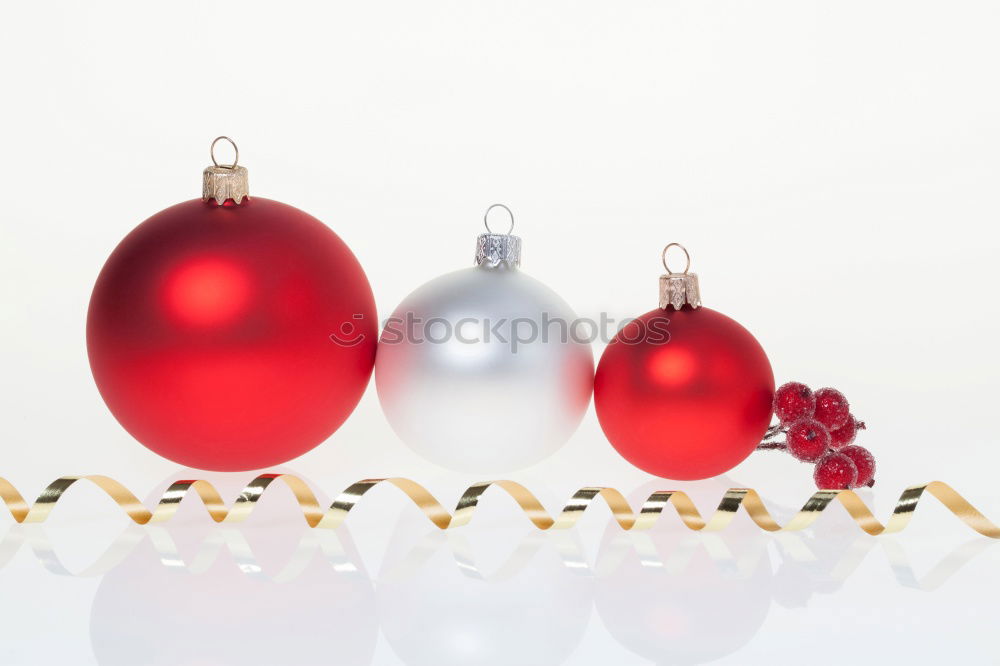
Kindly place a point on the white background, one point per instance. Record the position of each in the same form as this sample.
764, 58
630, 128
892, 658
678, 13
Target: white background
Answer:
832, 168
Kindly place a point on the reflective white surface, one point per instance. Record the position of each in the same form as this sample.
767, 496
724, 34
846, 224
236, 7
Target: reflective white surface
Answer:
389, 588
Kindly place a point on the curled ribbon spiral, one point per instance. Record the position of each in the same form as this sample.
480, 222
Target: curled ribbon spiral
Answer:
328, 547
623, 513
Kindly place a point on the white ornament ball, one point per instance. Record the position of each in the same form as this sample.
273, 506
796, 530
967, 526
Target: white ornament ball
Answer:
479, 370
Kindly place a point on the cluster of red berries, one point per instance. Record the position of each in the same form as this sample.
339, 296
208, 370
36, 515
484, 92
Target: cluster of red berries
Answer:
819, 428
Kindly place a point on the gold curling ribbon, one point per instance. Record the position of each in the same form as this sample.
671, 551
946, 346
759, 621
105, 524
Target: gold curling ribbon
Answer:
623, 514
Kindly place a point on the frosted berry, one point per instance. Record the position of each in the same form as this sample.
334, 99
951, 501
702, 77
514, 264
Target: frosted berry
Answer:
835, 471
864, 461
846, 434
807, 440
832, 409
794, 401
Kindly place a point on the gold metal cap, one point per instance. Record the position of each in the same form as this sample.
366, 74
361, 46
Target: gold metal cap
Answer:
679, 289
221, 182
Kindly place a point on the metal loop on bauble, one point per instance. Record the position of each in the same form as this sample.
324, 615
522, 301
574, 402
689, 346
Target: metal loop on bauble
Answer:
486, 217
687, 258
236, 151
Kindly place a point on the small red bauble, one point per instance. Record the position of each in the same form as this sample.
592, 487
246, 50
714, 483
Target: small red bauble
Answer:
684, 392
212, 330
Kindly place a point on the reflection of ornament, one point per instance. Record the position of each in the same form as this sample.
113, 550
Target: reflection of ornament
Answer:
479, 370
684, 392
819, 566
231, 333
148, 611
145, 613
674, 618
494, 608
664, 596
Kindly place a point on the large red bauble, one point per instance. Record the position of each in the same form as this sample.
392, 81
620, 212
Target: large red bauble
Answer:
211, 333
684, 394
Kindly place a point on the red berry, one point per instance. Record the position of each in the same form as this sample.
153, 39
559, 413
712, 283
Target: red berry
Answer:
863, 460
832, 409
835, 471
794, 401
807, 440
846, 433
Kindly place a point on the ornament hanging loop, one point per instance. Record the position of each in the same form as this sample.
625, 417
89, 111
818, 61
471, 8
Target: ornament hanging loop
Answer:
679, 289
687, 258
498, 250
236, 153
486, 218
224, 182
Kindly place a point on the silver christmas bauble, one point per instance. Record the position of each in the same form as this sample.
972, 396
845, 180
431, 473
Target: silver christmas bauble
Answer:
479, 370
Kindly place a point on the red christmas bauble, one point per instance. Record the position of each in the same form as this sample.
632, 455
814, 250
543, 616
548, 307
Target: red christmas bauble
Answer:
231, 337
684, 393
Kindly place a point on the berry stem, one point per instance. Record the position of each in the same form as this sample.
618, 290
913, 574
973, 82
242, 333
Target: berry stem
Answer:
769, 443
773, 431
772, 445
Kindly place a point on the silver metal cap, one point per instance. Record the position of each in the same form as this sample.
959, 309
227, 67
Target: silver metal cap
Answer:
495, 250
221, 182
498, 250
679, 289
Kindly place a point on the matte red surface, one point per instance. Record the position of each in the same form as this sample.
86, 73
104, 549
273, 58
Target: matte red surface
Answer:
691, 407
209, 333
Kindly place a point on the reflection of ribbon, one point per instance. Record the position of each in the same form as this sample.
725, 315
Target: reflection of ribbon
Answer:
626, 518
208, 551
570, 553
